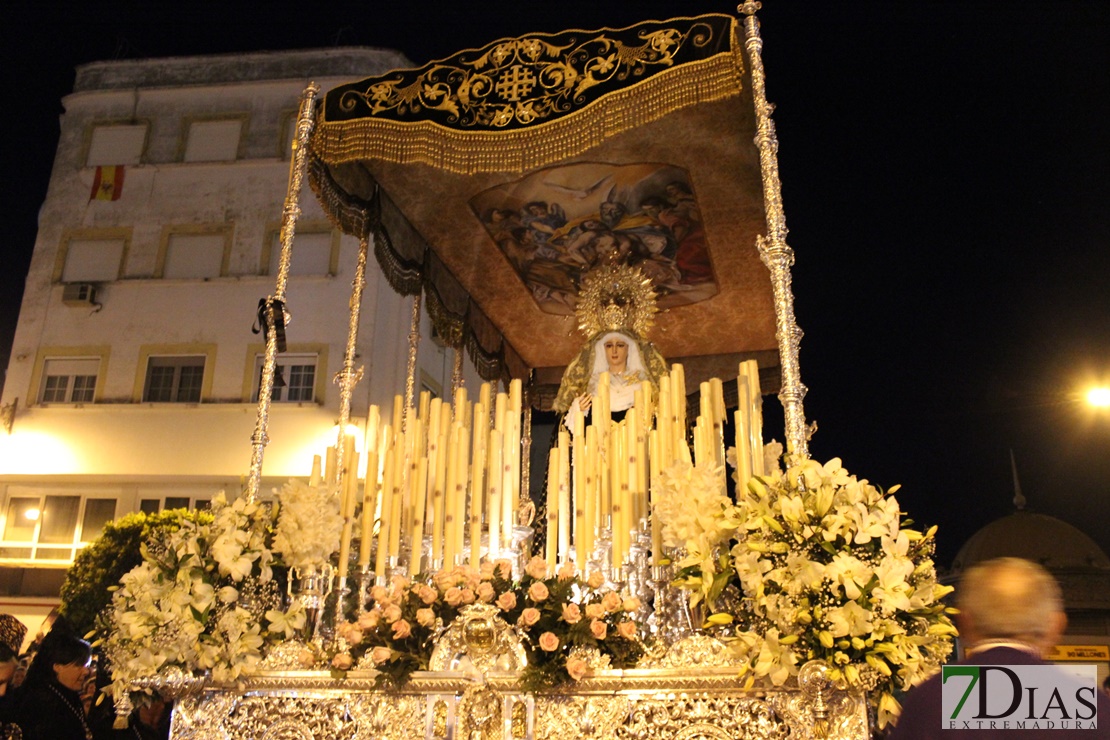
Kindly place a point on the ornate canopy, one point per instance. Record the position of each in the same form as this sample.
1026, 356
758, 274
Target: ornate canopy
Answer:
497, 179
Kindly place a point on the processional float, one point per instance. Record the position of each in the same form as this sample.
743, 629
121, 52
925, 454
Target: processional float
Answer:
619, 183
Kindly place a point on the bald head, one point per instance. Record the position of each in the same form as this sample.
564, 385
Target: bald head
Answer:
1010, 598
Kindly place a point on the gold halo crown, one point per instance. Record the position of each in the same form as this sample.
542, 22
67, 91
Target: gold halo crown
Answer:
615, 297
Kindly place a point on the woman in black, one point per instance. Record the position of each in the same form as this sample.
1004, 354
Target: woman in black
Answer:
48, 704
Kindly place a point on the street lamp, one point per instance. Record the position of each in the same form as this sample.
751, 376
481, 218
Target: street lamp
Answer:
1099, 397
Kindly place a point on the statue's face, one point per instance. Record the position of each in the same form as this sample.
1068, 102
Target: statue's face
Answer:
616, 353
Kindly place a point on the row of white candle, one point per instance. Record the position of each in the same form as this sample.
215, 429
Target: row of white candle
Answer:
451, 472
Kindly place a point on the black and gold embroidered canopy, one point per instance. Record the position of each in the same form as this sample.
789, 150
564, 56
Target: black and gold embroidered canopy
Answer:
497, 179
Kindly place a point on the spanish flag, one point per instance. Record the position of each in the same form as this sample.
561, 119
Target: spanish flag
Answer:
108, 183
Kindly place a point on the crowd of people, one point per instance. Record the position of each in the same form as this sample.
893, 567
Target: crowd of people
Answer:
49, 691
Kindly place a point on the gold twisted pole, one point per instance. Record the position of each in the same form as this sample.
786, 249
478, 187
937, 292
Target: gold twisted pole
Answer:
773, 250
457, 370
349, 376
298, 165
414, 343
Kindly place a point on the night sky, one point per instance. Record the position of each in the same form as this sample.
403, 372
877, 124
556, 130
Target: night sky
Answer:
946, 179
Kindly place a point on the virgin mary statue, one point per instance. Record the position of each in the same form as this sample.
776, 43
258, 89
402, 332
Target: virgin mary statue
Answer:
615, 307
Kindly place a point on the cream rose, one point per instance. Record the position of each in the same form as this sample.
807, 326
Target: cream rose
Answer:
401, 629
425, 617
538, 591
611, 601
380, 655
506, 601
598, 629
572, 614
537, 568
549, 642
577, 668
566, 572
627, 629
595, 611
631, 604
529, 616
486, 592
342, 661
453, 596
467, 596
596, 579
391, 613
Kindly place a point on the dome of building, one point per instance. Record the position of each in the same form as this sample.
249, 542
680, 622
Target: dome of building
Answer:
1043, 539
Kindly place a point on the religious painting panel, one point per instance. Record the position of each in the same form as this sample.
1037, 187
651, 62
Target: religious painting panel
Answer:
557, 225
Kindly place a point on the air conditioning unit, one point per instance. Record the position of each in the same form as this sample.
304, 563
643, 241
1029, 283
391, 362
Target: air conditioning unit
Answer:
79, 294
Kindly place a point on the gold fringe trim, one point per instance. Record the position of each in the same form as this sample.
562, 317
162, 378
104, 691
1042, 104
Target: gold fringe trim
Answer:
468, 152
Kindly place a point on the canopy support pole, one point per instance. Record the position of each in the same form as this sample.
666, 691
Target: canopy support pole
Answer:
773, 250
274, 305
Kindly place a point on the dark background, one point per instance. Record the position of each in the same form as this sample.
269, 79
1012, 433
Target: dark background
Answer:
946, 174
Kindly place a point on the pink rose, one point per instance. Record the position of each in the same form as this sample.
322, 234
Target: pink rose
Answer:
566, 572
611, 601
631, 604
538, 591
380, 655
597, 629
529, 616
571, 613
401, 629
425, 593
549, 642
627, 630
577, 668
453, 596
595, 611
379, 594
486, 592
485, 571
504, 568
506, 601
596, 579
391, 613
468, 576
425, 617
537, 568
444, 579
342, 661
468, 596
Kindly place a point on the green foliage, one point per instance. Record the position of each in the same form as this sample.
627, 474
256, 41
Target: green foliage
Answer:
96, 570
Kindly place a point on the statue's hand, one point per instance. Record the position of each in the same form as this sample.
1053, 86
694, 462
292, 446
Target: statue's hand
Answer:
584, 402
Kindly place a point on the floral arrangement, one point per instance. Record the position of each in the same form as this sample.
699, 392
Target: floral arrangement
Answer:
203, 599
309, 525
561, 619
827, 570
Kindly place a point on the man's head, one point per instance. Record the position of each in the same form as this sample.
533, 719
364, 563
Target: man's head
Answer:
1010, 599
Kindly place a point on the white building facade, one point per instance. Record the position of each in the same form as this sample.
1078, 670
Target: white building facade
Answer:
134, 372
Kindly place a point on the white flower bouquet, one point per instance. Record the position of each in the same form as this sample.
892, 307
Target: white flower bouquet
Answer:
202, 600
827, 570
309, 525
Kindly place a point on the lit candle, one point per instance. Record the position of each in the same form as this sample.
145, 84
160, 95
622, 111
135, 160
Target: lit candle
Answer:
494, 485
655, 439
417, 531
590, 492
462, 457
579, 493
386, 506
551, 551
477, 480
314, 476
564, 495
439, 495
